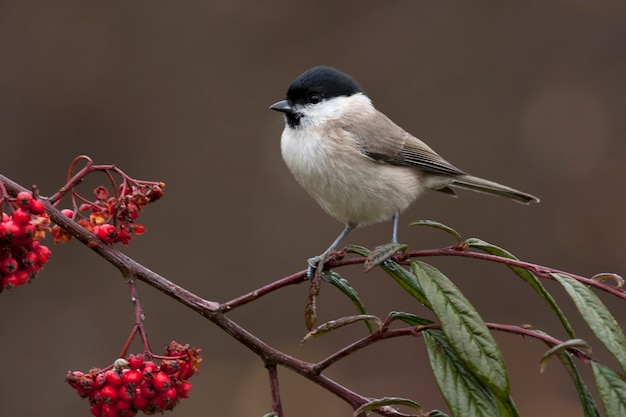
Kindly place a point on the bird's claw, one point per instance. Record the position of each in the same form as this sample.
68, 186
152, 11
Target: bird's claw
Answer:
313, 264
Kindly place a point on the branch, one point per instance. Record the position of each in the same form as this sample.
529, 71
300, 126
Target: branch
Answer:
215, 312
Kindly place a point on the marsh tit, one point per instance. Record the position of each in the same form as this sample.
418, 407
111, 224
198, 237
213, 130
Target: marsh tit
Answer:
358, 165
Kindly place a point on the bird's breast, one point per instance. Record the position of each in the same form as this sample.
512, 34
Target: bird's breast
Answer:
347, 184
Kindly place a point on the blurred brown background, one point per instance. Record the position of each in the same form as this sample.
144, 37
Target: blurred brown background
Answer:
528, 95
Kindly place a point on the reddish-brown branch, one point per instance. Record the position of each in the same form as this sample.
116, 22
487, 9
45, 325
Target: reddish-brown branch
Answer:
277, 406
215, 312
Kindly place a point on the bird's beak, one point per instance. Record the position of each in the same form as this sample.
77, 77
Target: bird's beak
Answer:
282, 106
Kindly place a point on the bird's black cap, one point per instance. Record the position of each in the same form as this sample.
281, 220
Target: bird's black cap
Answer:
322, 81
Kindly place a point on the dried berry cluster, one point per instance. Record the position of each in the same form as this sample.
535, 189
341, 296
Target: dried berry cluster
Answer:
21, 254
112, 219
134, 384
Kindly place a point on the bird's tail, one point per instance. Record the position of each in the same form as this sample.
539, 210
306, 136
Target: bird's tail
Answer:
472, 183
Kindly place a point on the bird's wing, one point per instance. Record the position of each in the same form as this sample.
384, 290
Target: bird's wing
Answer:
384, 141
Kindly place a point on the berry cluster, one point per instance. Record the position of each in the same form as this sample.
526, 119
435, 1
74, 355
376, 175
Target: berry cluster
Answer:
112, 219
21, 254
135, 384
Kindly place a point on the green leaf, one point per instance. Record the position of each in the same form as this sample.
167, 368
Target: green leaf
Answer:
382, 253
612, 389
507, 407
465, 395
598, 318
409, 318
270, 415
528, 277
586, 400
440, 226
386, 402
359, 250
568, 344
344, 286
335, 324
406, 280
464, 328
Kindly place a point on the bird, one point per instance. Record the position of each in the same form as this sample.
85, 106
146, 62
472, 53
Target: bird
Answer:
356, 163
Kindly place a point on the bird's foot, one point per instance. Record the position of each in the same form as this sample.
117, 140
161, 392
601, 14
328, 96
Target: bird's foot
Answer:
312, 266
316, 266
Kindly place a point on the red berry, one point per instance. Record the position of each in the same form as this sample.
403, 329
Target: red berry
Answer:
170, 367
109, 394
147, 390
160, 381
29, 259
149, 368
9, 265
9, 230
9, 281
122, 407
22, 277
169, 396
132, 377
95, 398
24, 198
68, 213
183, 389
108, 410
139, 229
21, 217
124, 236
157, 405
127, 393
113, 378
43, 254
135, 361
37, 207
107, 232
140, 402
96, 410
98, 381
28, 231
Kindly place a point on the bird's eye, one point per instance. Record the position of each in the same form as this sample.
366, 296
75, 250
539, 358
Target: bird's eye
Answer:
315, 98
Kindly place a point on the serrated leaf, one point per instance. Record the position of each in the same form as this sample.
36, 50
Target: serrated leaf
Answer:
586, 400
408, 318
359, 250
568, 344
331, 325
386, 402
597, 316
344, 286
528, 277
464, 328
382, 253
507, 407
612, 390
465, 395
406, 280
440, 226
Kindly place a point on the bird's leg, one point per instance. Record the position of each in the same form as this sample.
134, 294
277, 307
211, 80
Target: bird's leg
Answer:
315, 261
394, 233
